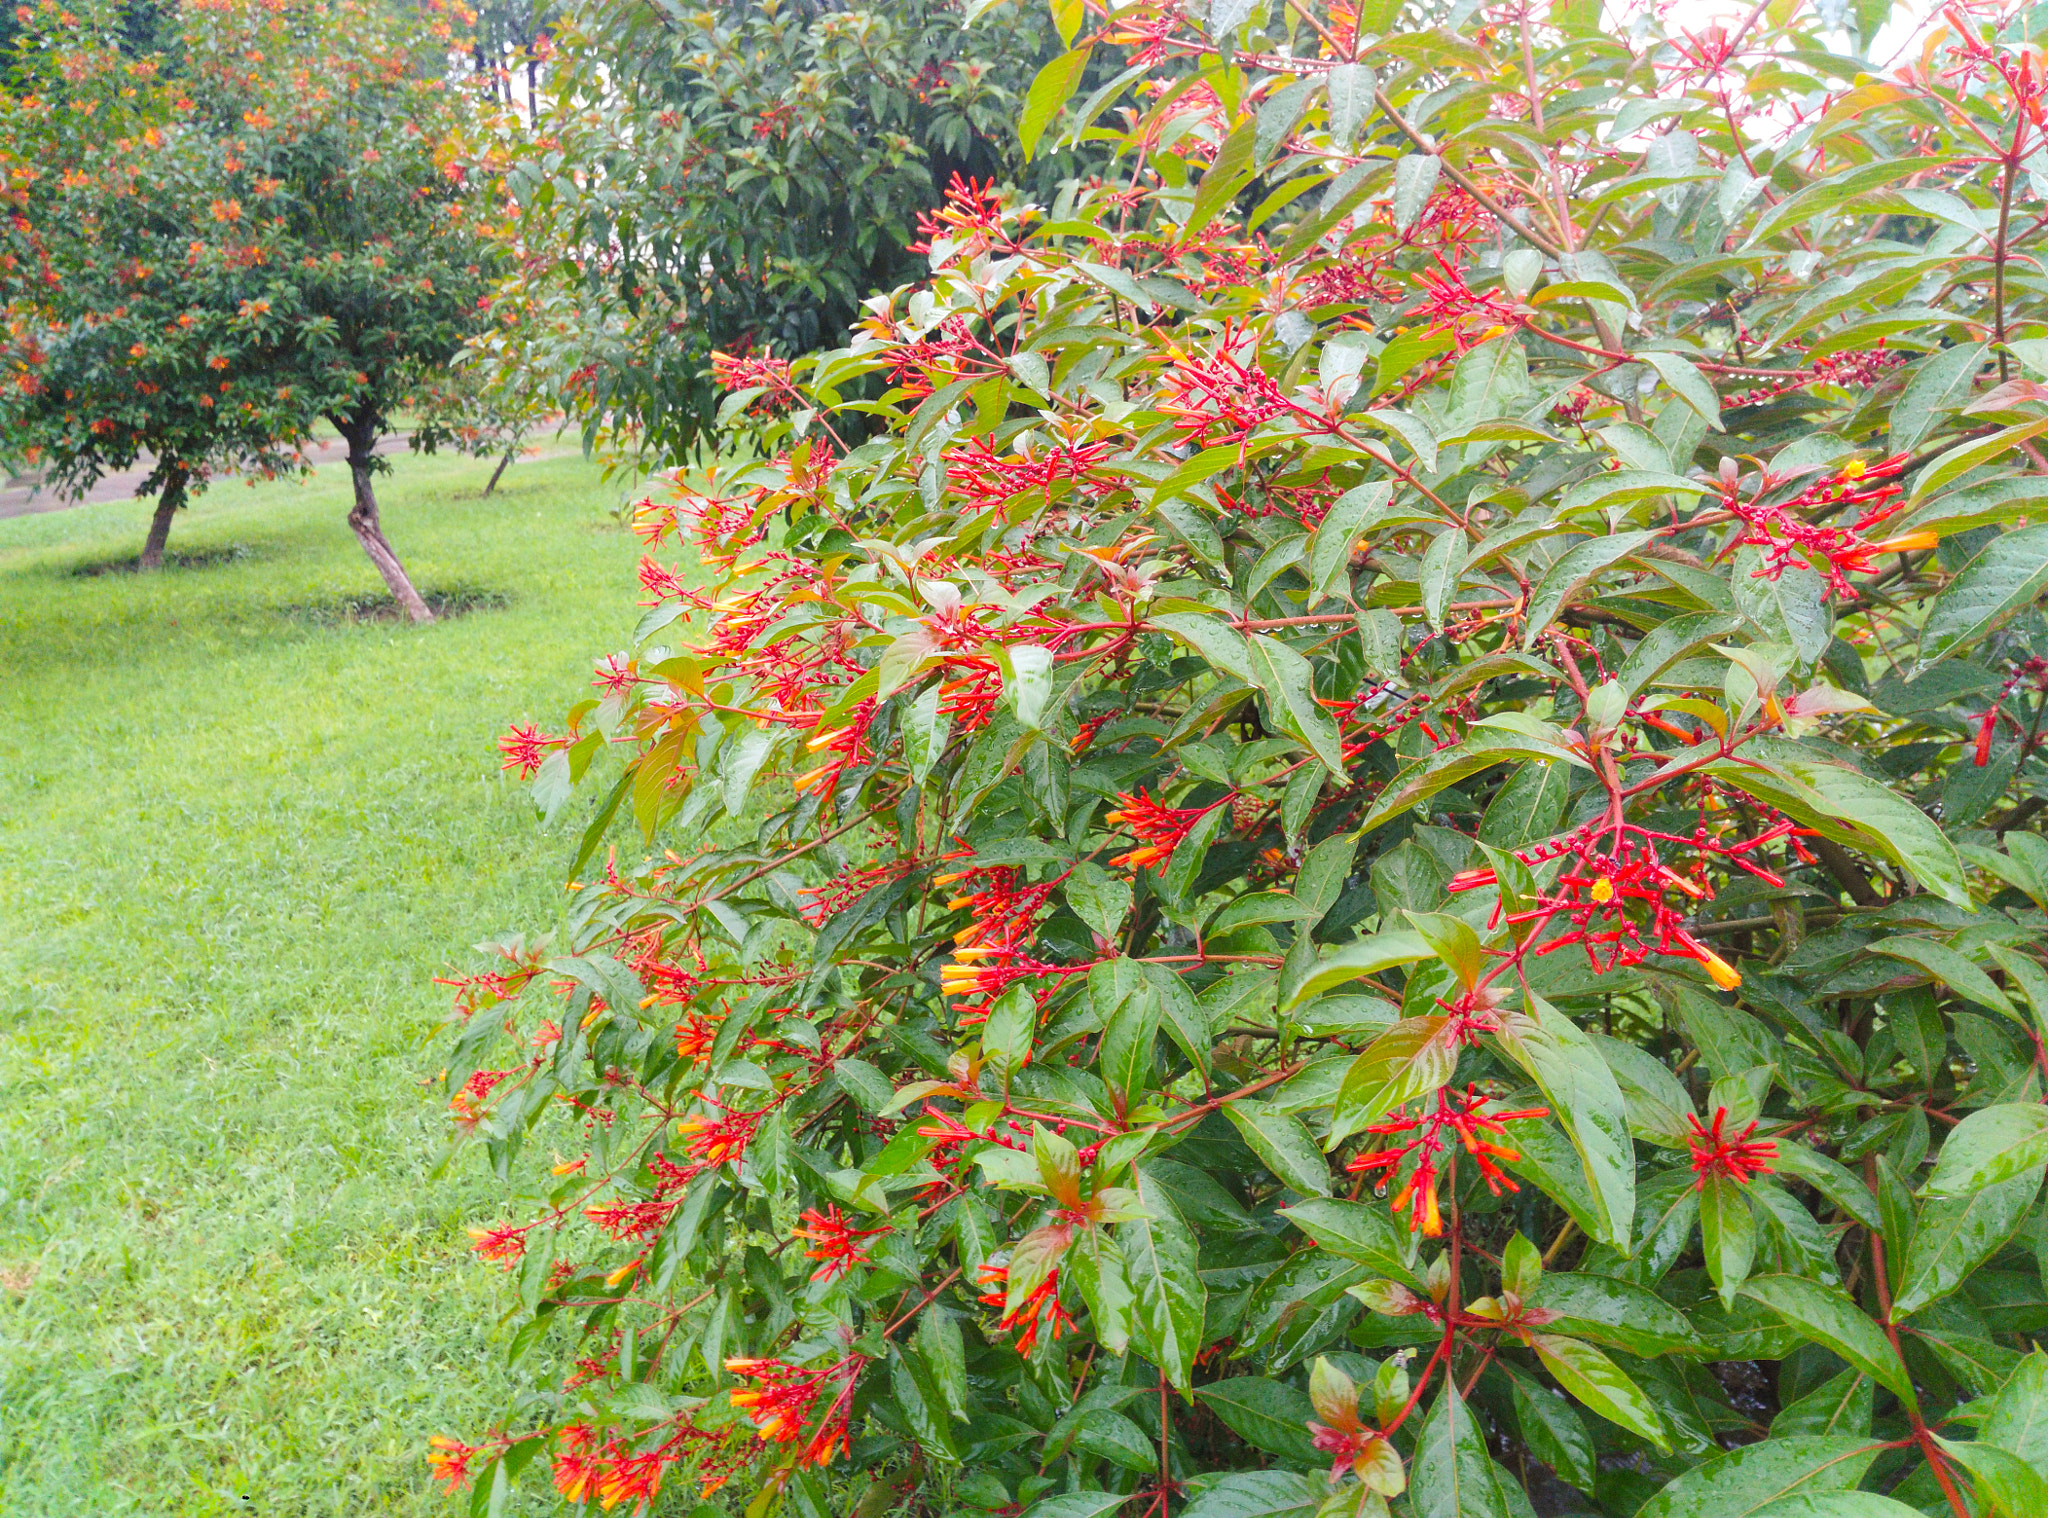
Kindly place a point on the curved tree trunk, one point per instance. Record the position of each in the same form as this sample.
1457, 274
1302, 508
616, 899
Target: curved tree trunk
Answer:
495, 473
168, 500
369, 532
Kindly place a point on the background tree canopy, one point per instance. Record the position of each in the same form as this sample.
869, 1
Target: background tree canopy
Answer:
735, 179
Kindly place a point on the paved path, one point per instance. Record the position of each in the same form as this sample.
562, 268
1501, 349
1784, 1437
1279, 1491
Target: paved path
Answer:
25, 497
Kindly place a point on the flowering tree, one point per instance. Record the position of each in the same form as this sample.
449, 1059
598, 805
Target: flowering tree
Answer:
735, 178
1367, 849
269, 236
124, 345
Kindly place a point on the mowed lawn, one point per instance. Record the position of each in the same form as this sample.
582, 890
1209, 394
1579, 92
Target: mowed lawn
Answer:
240, 833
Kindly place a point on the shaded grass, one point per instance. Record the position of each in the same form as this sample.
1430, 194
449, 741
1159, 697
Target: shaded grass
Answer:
239, 835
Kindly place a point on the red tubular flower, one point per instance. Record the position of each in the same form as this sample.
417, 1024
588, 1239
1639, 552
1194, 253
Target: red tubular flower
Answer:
838, 1243
1038, 1313
1740, 1158
1785, 536
1985, 730
506, 1243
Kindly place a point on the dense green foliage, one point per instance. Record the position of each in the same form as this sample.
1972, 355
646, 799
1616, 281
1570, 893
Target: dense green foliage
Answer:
1402, 773
736, 179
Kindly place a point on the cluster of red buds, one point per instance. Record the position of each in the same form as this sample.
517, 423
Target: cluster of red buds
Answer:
848, 886
1221, 397
1451, 306
835, 1242
1159, 828
1464, 1118
970, 220
781, 1403
1786, 537
847, 744
1038, 1314
1851, 369
1740, 1158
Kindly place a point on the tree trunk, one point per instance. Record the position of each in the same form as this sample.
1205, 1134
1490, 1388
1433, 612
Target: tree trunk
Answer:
495, 473
370, 533
168, 500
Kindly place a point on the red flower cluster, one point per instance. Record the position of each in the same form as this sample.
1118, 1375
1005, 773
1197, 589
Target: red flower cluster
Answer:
1039, 1313
525, 747
1466, 1118
837, 1242
1003, 917
782, 1402
1786, 537
1159, 828
1595, 889
1740, 1158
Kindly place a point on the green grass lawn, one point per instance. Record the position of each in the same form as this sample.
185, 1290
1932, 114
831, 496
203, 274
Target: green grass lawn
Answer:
240, 834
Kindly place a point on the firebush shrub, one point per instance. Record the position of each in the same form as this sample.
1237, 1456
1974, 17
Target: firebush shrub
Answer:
1369, 848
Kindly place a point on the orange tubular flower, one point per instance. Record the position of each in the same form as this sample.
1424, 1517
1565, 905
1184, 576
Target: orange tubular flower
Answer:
1159, 828
1038, 1313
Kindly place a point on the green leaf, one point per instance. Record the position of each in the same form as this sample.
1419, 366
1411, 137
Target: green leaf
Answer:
1840, 1505
1350, 87
2018, 1420
2008, 1486
1939, 383
1367, 956
2009, 573
1990, 1146
1602, 1386
1410, 1059
1952, 1236
1666, 643
1126, 1057
1482, 749
1842, 1405
1049, 91
1357, 1231
1329, 555
1825, 1315
1747, 1481
1573, 571
1283, 1146
1615, 1312
1226, 176
1266, 1414
1949, 967
1166, 1285
1529, 806
1077, 1505
1866, 812
1587, 1102
1687, 383
1288, 682
1454, 1477
1415, 177
1727, 1234
1099, 899
1441, 564
944, 1351
1258, 1494
1552, 1429
1960, 461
